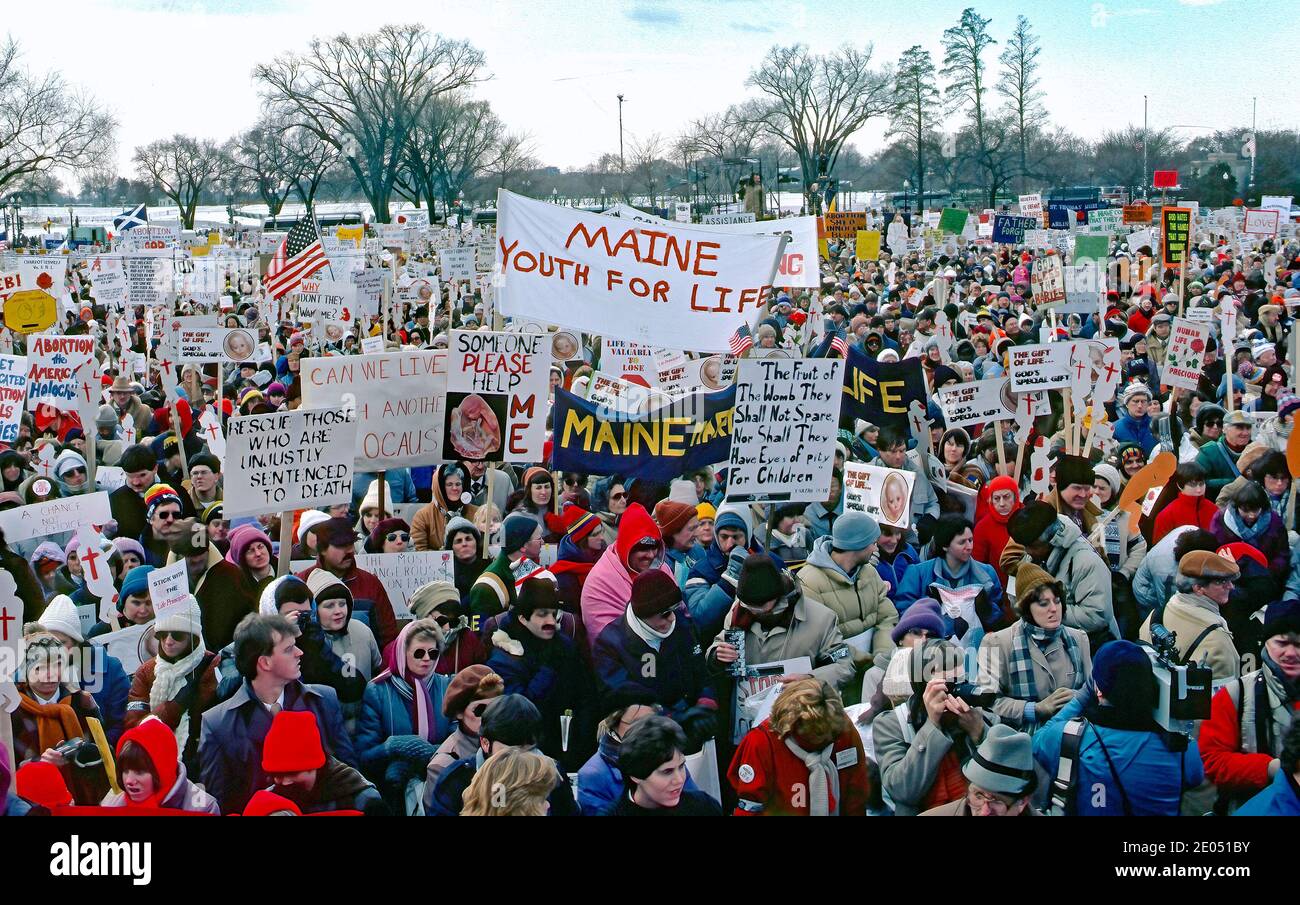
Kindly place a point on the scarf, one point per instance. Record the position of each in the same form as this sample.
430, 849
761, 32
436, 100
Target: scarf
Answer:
1021, 667
168, 679
1238, 527
416, 695
823, 778
55, 723
651, 637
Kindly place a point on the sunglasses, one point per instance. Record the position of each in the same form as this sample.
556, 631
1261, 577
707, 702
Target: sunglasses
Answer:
618, 496
173, 635
571, 482
168, 516
478, 709
397, 535
421, 653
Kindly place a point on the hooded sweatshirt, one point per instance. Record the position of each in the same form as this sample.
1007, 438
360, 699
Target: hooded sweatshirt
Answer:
991, 535
608, 588
1184, 510
174, 790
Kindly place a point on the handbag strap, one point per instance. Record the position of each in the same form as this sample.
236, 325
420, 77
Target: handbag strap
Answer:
1123, 796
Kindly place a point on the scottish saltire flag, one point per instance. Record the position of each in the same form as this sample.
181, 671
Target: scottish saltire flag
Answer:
136, 216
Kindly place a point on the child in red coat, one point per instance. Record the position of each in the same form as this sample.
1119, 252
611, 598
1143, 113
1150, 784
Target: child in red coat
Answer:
998, 499
1190, 507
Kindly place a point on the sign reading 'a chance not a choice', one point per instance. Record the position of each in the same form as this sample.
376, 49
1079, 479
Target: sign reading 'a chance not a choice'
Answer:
289, 460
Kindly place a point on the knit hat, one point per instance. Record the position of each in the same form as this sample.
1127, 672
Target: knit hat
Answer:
106, 417
473, 683
308, 520
292, 743
1287, 405
683, 491
1109, 474
335, 532
578, 522
923, 613
654, 592
428, 597
1115, 661
1029, 578
1204, 564
1282, 617
705, 511
61, 616
135, 582
673, 516
1132, 391
1035, 522
1073, 470
1003, 763
854, 531
536, 594
185, 618
157, 495
265, 803
518, 530
42, 784
206, 459
760, 580
49, 554
124, 545
325, 585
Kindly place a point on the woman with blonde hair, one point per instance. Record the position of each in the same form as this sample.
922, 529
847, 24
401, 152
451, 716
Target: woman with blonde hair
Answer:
511, 783
805, 759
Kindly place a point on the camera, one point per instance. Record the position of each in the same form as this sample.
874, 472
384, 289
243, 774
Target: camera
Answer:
970, 693
1183, 691
80, 752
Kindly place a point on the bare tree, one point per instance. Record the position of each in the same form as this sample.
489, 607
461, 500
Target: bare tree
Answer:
646, 158
1118, 155
45, 124
183, 168
365, 95
265, 163
813, 103
512, 156
963, 64
915, 113
449, 145
311, 160
1019, 86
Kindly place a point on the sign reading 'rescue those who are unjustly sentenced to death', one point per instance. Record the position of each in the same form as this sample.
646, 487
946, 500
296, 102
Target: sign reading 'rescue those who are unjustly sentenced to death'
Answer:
667, 284
289, 460
784, 429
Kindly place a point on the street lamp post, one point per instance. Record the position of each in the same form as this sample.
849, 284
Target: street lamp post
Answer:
907, 199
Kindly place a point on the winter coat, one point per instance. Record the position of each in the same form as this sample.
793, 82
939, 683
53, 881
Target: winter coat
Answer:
1136, 430
1196, 511
401, 489
910, 766
1188, 615
1052, 670
679, 680
355, 647
1271, 541
367, 586
224, 597
991, 538
1240, 739
608, 588
1220, 464
768, 777
917, 580
892, 570
342, 788
388, 748
181, 795
429, 526
1153, 584
1280, 799
230, 746
1083, 575
860, 602
454, 747
813, 632
1152, 776
493, 591
448, 798
197, 695
600, 782
820, 519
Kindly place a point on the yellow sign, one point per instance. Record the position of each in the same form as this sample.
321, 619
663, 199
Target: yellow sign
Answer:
868, 244
214, 238
200, 251
30, 311
350, 233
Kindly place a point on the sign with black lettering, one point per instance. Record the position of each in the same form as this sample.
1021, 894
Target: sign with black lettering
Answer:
289, 460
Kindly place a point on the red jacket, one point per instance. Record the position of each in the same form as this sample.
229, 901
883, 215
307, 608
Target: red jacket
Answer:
991, 535
1139, 321
1226, 765
1184, 510
773, 782
367, 586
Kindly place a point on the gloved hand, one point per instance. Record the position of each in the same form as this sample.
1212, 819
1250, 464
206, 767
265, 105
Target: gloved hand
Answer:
700, 724
734, 564
1049, 706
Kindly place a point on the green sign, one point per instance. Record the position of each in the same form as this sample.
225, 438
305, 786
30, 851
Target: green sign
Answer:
1091, 248
953, 220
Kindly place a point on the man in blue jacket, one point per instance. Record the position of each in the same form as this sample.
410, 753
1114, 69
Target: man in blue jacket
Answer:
1134, 426
1281, 798
711, 584
230, 747
1126, 763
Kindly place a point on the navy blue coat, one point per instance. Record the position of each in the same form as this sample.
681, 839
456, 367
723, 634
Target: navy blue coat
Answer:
679, 677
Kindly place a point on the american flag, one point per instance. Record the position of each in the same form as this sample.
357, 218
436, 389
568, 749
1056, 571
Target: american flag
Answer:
741, 341
840, 344
298, 257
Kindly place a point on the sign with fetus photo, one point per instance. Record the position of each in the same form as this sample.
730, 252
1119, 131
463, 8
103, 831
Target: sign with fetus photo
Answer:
885, 494
497, 387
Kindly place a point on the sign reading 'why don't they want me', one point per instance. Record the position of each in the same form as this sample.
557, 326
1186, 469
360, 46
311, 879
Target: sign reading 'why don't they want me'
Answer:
289, 460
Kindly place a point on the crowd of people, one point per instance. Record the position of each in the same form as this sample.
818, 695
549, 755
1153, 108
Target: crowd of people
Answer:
595, 653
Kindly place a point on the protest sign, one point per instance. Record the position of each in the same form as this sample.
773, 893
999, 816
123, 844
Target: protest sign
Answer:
398, 399
371, 345
977, 402
617, 395
658, 446
1185, 357
868, 244
1106, 220
52, 364
668, 285
1279, 203
417, 218
132, 645
844, 224
1032, 206
402, 574
1261, 222
880, 392
1137, 214
457, 263
149, 280
198, 339
30, 311
369, 287
1142, 238
784, 429
885, 494
497, 384
682, 211
630, 361
1091, 248
107, 280
211, 432
1175, 234
1039, 367
288, 460
13, 389
327, 299
1070, 214
952, 220
725, 219
55, 516
1047, 280
169, 588
1164, 179
1010, 230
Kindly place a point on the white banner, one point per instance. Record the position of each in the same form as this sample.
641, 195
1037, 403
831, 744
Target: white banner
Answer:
497, 387
667, 285
978, 402
13, 390
1185, 357
885, 494
289, 460
55, 516
399, 399
1039, 367
784, 428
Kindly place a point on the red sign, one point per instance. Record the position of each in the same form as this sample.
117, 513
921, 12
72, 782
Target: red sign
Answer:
1165, 179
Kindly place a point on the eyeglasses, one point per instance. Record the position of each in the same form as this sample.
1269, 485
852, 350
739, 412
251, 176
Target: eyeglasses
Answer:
72, 471
478, 709
167, 516
397, 535
992, 801
421, 653
175, 636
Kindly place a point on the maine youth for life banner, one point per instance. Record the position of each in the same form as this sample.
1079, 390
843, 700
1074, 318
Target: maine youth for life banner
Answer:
658, 446
880, 392
662, 283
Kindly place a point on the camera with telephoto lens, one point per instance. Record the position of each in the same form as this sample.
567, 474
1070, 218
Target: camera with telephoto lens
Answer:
970, 693
1183, 690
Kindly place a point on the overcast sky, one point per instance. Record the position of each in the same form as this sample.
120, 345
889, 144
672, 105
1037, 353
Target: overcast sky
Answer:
167, 66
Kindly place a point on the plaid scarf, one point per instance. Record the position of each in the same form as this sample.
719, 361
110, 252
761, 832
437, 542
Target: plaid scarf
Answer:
1020, 679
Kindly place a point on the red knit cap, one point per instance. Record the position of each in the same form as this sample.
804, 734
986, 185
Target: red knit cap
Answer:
578, 522
264, 804
293, 743
672, 516
42, 783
